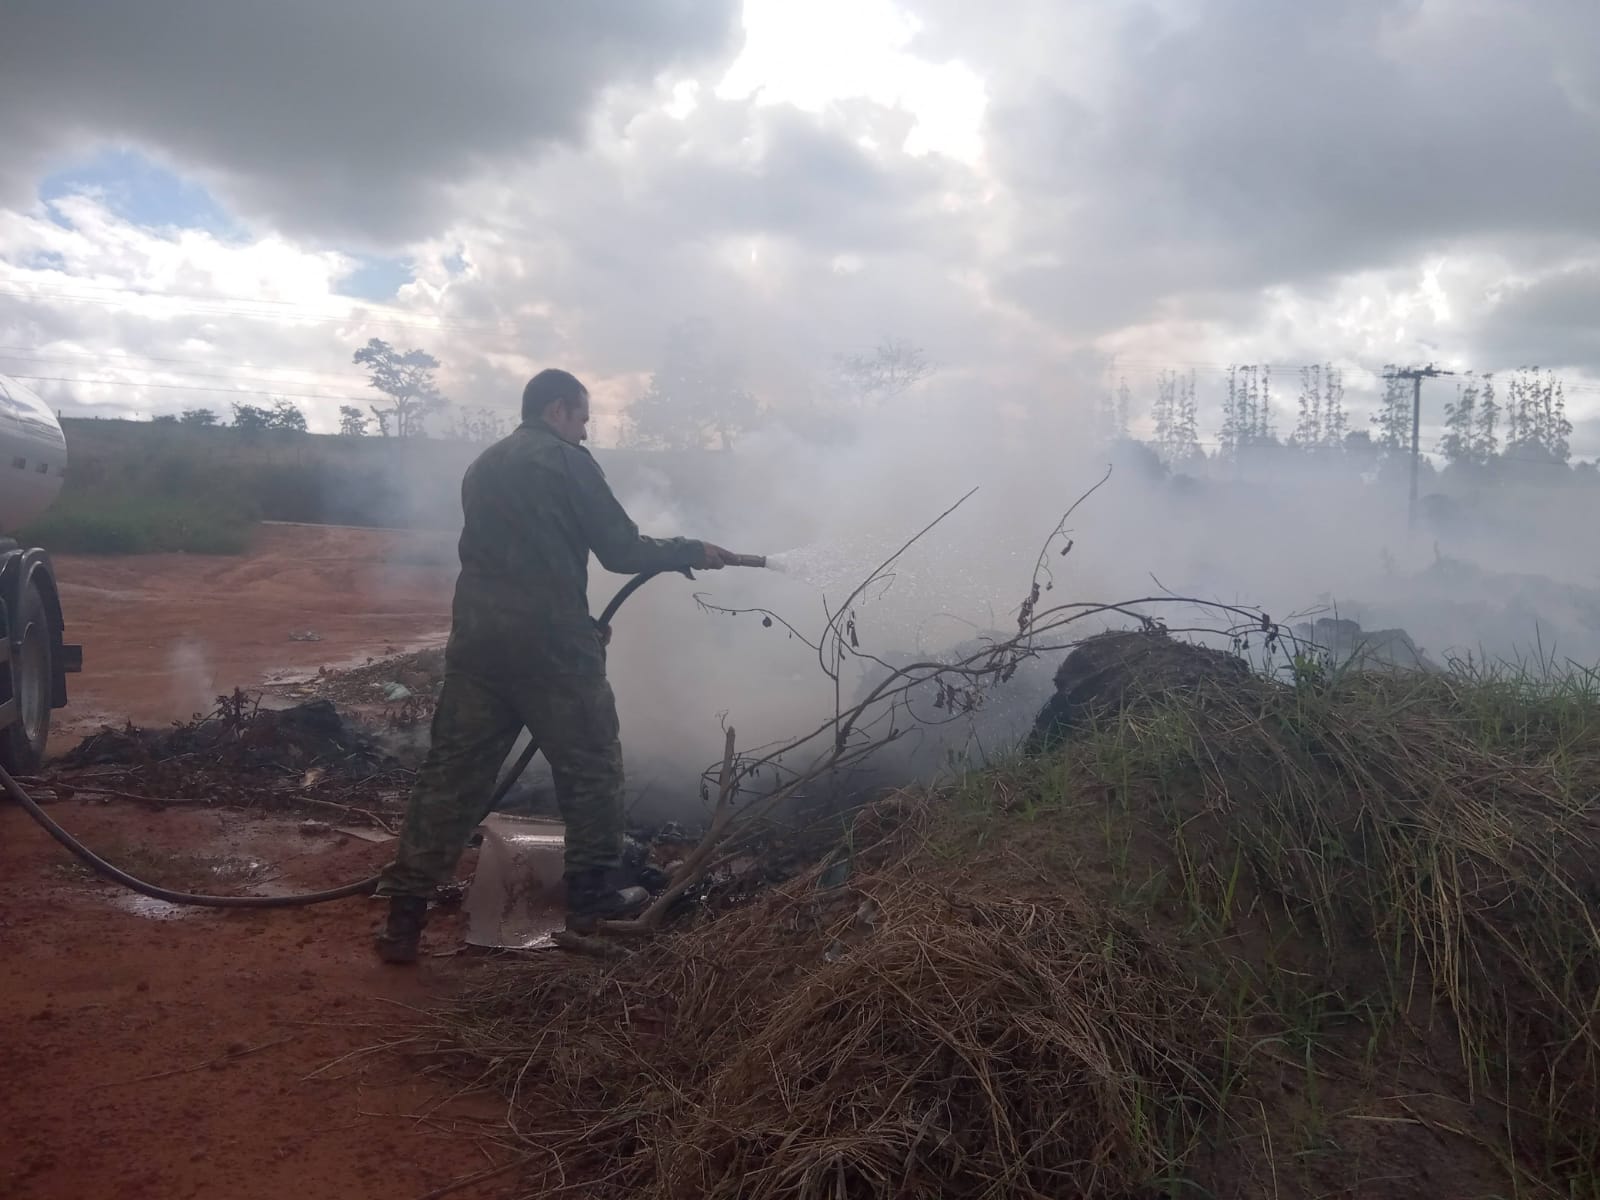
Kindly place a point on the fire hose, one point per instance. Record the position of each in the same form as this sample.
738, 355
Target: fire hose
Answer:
361, 887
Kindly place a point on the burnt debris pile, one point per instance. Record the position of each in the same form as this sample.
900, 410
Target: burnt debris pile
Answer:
1127, 671
241, 735
386, 683
306, 756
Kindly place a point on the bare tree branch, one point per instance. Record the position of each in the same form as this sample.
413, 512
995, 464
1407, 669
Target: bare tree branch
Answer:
693, 866
832, 630
854, 733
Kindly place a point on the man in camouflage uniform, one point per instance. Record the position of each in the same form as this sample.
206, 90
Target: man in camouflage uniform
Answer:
524, 651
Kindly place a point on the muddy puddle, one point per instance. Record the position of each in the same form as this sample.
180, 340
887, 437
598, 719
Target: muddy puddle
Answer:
226, 854
290, 677
152, 909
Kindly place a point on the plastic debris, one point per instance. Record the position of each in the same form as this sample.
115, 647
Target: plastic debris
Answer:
834, 875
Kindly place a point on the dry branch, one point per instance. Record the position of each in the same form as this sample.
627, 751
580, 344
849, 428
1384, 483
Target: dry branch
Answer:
853, 733
693, 867
968, 1014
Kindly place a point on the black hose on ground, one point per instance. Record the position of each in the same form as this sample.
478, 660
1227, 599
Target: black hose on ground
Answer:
116, 874
361, 887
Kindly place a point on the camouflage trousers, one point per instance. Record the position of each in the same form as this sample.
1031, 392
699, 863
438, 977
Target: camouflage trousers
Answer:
573, 720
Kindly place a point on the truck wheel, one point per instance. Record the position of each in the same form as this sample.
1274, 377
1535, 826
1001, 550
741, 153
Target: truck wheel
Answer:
23, 741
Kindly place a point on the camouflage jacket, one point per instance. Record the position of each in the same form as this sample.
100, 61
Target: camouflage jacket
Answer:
535, 506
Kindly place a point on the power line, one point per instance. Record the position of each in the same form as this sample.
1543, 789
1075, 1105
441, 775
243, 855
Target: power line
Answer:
116, 290
1416, 375
1151, 364
1516, 458
1377, 374
187, 387
276, 393
234, 307
27, 354
113, 365
292, 311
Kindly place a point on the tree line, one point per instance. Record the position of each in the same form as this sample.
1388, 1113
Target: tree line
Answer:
411, 395
698, 397
1516, 416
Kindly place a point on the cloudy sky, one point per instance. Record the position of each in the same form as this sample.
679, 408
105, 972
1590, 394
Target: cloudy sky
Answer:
204, 202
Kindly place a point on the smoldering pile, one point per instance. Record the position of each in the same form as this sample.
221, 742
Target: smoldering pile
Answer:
241, 735
242, 754
1126, 671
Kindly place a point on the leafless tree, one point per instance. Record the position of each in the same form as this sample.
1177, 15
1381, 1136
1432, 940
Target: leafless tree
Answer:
893, 367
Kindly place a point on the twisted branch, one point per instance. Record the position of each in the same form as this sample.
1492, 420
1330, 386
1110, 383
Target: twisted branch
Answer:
853, 733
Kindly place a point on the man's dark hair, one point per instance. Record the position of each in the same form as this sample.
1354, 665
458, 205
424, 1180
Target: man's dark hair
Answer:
547, 387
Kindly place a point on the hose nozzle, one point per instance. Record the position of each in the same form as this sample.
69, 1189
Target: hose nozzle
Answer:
749, 560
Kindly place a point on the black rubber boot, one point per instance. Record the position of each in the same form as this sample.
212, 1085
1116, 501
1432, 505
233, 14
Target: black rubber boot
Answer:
590, 900
397, 940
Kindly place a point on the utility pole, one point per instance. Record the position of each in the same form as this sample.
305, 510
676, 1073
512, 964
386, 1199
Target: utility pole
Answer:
1416, 375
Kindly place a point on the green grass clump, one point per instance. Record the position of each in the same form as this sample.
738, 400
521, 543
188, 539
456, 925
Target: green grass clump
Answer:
1237, 937
100, 524
1372, 868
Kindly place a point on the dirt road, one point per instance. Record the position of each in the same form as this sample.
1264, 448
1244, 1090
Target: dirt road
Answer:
156, 1054
164, 634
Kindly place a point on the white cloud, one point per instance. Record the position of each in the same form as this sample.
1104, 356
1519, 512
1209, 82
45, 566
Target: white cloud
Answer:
1163, 182
817, 54
357, 120
130, 320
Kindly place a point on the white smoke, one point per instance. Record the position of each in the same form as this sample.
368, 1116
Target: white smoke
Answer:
1285, 536
191, 679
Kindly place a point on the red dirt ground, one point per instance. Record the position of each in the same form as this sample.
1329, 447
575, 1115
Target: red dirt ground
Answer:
154, 1055
164, 634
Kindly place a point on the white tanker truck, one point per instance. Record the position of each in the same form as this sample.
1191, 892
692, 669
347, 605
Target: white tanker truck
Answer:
34, 661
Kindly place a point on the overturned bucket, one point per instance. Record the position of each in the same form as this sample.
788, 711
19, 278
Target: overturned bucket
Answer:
517, 898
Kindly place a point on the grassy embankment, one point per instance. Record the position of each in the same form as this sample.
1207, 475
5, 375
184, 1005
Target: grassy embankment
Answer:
1335, 938
140, 487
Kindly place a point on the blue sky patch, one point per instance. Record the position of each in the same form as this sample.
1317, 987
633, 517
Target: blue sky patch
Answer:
142, 192
375, 278
43, 260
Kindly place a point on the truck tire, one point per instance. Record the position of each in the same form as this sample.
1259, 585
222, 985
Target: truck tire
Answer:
27, 681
